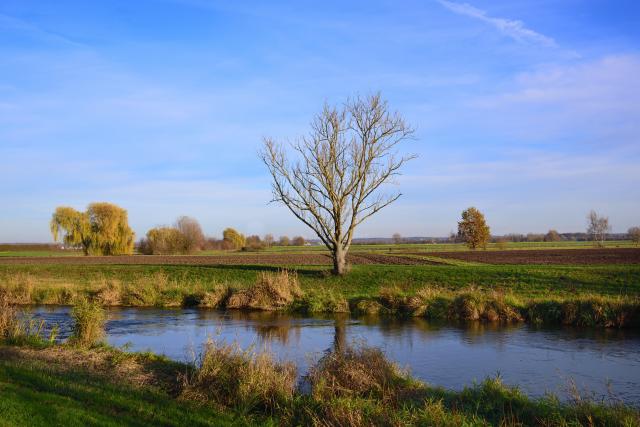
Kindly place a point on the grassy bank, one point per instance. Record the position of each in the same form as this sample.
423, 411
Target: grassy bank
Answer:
606, 295
64, 385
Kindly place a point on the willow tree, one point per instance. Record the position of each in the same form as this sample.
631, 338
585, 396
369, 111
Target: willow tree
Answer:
330, 179
102, 230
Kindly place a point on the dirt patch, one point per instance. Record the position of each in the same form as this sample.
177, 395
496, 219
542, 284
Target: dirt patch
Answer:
545, 256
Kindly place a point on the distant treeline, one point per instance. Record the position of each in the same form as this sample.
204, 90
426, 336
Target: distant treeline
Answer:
514, 237
31, 247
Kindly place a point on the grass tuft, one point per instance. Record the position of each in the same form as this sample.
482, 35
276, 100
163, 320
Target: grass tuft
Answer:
88, 328
229, 377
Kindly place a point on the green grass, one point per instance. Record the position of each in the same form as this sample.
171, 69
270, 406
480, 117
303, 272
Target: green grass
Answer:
36, 393
362, 280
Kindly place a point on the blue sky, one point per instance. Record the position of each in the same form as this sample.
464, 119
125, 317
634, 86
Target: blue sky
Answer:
528, 110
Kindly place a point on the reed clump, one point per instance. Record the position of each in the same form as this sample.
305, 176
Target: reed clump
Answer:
8, 316
88, 323
229, 377
273, 291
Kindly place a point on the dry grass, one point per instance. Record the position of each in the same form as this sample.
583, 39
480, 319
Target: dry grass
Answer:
273, 291
229, 377
88, 327
358, 372
8, 316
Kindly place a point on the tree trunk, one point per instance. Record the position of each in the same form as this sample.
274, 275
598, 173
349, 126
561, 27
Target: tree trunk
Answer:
339, 261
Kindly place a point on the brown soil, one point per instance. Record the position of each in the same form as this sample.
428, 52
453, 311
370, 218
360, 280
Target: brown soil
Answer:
533, 256
238, 259
545, 256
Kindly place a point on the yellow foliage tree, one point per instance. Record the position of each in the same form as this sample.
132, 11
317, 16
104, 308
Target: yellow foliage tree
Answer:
165, 241
236, 239
102, 230
473, 229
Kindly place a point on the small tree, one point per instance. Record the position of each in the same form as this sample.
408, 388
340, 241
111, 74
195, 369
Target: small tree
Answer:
634, 234
473, 229
192, 235
268, 240
552, 236
253, 242
333, 185
298, 241
284, 241
397, 238
235, 239
597, 227
102, 230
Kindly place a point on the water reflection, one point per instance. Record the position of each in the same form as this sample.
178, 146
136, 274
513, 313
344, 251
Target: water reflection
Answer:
536, 359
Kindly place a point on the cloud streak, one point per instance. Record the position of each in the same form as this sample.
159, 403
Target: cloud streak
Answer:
509, 27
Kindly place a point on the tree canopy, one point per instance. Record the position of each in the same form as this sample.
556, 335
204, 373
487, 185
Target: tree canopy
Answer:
473, 229
103, 229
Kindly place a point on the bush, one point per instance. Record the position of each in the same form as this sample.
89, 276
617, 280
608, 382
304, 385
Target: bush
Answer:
229, 377
89, 319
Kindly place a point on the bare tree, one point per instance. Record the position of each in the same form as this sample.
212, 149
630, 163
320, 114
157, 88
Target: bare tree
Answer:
193, 237
634, 235
598, 226
268, 240
397, 238
332, 186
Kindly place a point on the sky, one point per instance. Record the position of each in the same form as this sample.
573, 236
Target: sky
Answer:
528, 110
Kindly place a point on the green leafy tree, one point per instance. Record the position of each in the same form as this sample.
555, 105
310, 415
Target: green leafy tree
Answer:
473, 229
102, 230
234, 238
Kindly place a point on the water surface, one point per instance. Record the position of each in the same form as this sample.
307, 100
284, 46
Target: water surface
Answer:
604, 363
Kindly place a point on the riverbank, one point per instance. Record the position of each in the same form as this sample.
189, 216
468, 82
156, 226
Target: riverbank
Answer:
111, 387
604, 295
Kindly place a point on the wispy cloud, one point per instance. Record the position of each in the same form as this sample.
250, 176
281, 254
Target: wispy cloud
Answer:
509, 27
11, 23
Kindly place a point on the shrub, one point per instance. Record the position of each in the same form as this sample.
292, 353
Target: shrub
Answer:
229, 377
88, 327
